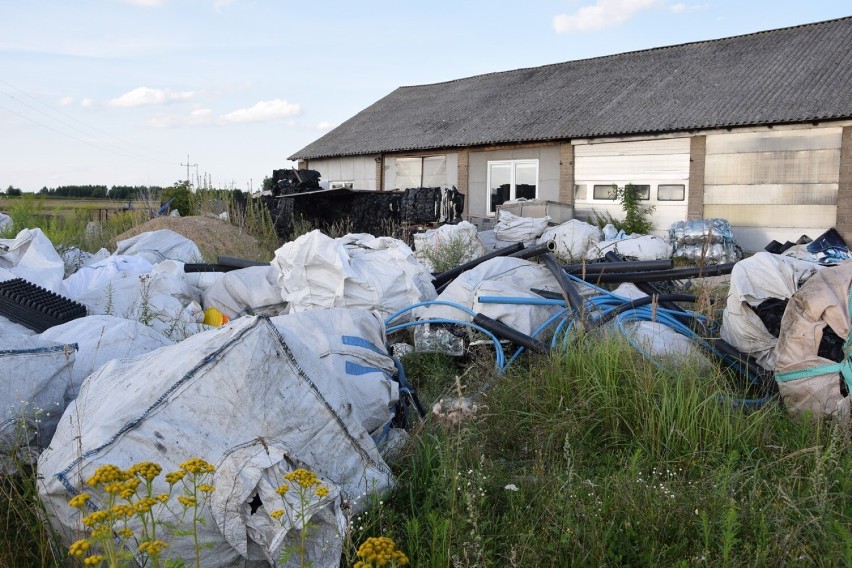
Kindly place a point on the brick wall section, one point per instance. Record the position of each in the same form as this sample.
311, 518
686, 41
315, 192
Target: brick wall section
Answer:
463, 177
695, 199
566, 173
844, 187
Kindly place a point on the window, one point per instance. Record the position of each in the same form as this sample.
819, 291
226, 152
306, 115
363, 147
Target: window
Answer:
429, 171
511, 179
671, 192
607, 191
580, 191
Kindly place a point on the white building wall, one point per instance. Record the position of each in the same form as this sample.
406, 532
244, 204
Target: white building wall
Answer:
773, 185
642, 162
360, 170
389, 167
548, 174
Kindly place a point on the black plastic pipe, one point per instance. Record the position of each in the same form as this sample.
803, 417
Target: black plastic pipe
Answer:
503, 331
570, 292
534, 251
622, 266
442, 278
660, 275
746, 365
239, 262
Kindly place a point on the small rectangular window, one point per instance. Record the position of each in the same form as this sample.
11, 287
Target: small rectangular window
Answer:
580, 191
644, 191
671, 192
604, 192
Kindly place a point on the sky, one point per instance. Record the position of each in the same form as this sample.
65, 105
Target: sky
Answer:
221, 92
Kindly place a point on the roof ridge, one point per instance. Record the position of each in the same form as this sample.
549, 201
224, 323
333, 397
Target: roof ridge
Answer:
627, 53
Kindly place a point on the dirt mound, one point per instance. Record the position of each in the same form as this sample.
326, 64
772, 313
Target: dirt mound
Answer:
213, 236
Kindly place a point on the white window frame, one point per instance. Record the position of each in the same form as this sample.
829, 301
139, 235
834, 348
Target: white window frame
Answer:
422, 167
512, 194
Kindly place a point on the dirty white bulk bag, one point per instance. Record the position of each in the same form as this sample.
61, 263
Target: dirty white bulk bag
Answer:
162, 301
75, 258
253, 290
516, 229
99, 339
571, 239
31, 256
502, 276
808, 382
100, 273
5, 223
200, 280
634, 247
156, 246
755, 279
35, 374
461, 237
354, 271
245, 397
351, 344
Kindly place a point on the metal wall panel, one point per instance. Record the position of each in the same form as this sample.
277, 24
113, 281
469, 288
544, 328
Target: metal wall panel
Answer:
765, 215
778, 194
781, 167
360, 170
775, 141
623, 162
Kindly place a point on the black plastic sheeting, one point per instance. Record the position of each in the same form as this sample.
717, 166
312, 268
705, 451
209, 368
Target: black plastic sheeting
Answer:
378, 213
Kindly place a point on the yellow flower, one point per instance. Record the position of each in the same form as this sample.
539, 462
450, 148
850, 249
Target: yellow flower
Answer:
152, 547
95, 518
322, 491
282, 489
79, 548
381, 551
106, 474
124, 533
303, 477
187, 501
197, 465
122, 511
78, 501
93, 560
276, 514
163, 497
174, 477
146, 470
205, 488
145, 504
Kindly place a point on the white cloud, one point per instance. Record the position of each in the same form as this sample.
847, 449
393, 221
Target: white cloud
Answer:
219, 4
87, 103
142, 96
602, 14
66, 101
324, 125
263, 111
146, 3
680, 7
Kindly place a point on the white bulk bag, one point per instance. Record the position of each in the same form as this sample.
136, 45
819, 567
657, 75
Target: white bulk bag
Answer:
434, 241
99, 339
35, 375
246, 397
572, 239
156, 246
503, 276
753, 280
634, 247
100, 273
31, 256
354, 271
516, 229
253, 290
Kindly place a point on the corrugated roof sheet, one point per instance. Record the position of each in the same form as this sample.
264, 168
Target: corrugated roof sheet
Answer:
797, 74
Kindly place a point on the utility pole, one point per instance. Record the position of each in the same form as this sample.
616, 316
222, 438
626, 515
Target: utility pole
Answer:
188, 165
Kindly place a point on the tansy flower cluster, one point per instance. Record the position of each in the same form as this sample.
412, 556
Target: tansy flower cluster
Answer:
379, 551
303, 477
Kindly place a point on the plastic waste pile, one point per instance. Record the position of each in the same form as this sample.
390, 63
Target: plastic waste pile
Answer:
265, 368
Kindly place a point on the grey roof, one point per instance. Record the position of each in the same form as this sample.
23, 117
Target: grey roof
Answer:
789, 75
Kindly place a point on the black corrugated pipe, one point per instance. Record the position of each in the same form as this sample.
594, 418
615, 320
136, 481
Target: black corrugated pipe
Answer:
661, 275
622, 266
572, 296
503, 331
442, 278
536, 250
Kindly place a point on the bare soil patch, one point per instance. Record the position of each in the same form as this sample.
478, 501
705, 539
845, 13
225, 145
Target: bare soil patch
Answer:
213, 236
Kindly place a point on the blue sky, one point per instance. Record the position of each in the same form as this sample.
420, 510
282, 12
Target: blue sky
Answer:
127, 92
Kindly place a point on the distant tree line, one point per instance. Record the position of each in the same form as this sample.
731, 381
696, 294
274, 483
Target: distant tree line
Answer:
121, 192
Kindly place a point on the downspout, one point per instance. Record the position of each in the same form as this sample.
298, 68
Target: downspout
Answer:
380, 173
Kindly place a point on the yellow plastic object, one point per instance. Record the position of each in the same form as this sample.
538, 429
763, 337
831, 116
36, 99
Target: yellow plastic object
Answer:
214, 317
